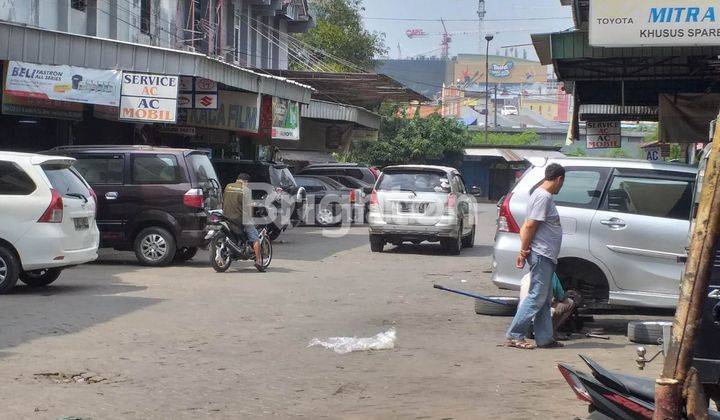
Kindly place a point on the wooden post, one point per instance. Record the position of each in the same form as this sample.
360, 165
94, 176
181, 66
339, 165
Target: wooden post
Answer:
693, 291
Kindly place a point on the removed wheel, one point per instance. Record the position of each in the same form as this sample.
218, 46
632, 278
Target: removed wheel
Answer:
377, 243
646, 332
40, 278
469, 240
220, 257
155, 246
483, 307
185, 254
9, 270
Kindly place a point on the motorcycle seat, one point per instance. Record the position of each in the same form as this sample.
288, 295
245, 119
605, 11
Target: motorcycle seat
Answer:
643, 388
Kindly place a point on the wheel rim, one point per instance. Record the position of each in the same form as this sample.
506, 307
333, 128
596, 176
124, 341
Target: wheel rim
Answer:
153, 247
3, 270
325, 216
265, 252
222, 256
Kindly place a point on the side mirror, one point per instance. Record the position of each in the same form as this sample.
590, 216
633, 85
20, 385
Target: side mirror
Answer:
475, 190
594, 193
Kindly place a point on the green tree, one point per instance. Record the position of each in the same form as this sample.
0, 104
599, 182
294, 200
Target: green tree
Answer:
405, 140
507, 139
578, 152
339, 31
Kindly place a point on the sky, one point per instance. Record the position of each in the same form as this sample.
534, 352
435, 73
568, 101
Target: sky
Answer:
510, 21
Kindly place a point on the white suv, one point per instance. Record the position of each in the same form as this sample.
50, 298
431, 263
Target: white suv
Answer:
625, 223
47, 219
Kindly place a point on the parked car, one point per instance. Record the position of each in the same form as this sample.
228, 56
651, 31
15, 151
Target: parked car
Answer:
509, 110
47, 219
361, 198
152, 200
355, 170
290, 201
328, 198
625, 223
421, 203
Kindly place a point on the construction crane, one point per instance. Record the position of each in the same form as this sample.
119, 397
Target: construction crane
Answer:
446, 37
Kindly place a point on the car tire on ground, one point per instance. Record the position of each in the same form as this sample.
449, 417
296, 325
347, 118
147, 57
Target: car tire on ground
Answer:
453, 246
9, 269
377, 243
40, 278
325, 216
155, 247
483, 307
469, 240
646, 332
185, 254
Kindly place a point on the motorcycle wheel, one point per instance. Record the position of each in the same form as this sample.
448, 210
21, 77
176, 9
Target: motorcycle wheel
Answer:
265, 252
220, 254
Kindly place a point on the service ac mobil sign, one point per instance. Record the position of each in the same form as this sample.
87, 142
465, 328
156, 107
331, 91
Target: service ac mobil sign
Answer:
635, 23
149, 98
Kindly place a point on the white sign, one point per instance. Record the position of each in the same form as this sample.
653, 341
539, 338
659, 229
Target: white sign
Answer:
63, 83
186, 83
206, 101
149, 98
603, 134
205, 85
185, 100
653, 154
636, 23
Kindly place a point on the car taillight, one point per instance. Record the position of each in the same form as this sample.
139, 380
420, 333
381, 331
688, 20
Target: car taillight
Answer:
575, 384
54, 212
375, 172
93, 195
194, 198
506, 221
374, 198
450, 204
352, 196
638, 409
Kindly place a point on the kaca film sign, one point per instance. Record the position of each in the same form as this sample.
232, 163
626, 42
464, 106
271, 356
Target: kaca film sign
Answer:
623, 23
149, 98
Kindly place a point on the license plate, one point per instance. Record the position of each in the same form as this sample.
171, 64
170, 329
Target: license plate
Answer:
81, 223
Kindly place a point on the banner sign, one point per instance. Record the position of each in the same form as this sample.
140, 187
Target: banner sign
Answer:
286, 119
603, 134
63, 83
198, 92
41, 108
653, 154
237, 111
149, 98
622, 23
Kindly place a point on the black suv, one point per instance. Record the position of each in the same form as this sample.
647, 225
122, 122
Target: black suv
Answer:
151, 200
279, 177
355, 170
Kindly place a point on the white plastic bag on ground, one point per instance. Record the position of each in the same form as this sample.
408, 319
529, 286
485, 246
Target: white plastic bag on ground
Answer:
343, 345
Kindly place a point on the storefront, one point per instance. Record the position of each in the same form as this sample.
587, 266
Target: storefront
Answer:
61, 88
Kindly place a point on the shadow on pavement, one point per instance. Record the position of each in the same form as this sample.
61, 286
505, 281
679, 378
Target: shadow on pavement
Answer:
436, 249
78, 300
309, 244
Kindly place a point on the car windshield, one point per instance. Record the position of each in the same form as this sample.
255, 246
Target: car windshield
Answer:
202, 167
66, 181
417, 181
281, 176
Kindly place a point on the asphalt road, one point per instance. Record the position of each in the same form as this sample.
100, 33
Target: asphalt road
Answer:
184, 342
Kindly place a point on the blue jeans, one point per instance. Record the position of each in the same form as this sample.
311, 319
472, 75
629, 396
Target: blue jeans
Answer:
537, 304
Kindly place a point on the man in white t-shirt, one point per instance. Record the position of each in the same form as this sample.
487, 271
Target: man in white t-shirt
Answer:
540, 241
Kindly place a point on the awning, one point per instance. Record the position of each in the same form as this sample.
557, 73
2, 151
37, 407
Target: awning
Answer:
309, 156
339, 112
512, 154
35, 45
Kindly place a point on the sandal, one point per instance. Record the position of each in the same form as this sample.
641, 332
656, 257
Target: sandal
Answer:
552, 345
521, 344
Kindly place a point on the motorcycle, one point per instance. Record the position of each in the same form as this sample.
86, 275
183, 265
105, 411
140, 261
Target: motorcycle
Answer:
226, 246
613, 395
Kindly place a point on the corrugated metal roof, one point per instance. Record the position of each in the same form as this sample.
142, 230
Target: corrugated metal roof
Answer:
513, 155
36, 45
339, 112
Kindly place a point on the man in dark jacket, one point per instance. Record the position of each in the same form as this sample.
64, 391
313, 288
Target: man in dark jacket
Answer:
237, 208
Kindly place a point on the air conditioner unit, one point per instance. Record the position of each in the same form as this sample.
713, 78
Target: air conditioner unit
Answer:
188, 48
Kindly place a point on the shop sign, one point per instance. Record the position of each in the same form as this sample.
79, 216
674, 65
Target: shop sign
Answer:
63, 83
653, 154
501, 71
197, 92
149, 98
286, 119
237, 111
622, 23
41, 108
603, 134
178, 130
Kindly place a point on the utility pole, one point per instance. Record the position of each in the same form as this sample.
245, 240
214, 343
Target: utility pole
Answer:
495, 106
481, 19
488, 38
679, 386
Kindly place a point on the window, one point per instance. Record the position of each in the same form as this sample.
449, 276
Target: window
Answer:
417, 181
155, 169
80, 5
201, 166
101, 169
66, 181
310, 184
14, 181
145, 16
669, 198
583, 187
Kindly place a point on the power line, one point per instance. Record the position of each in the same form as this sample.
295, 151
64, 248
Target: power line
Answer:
399, 19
